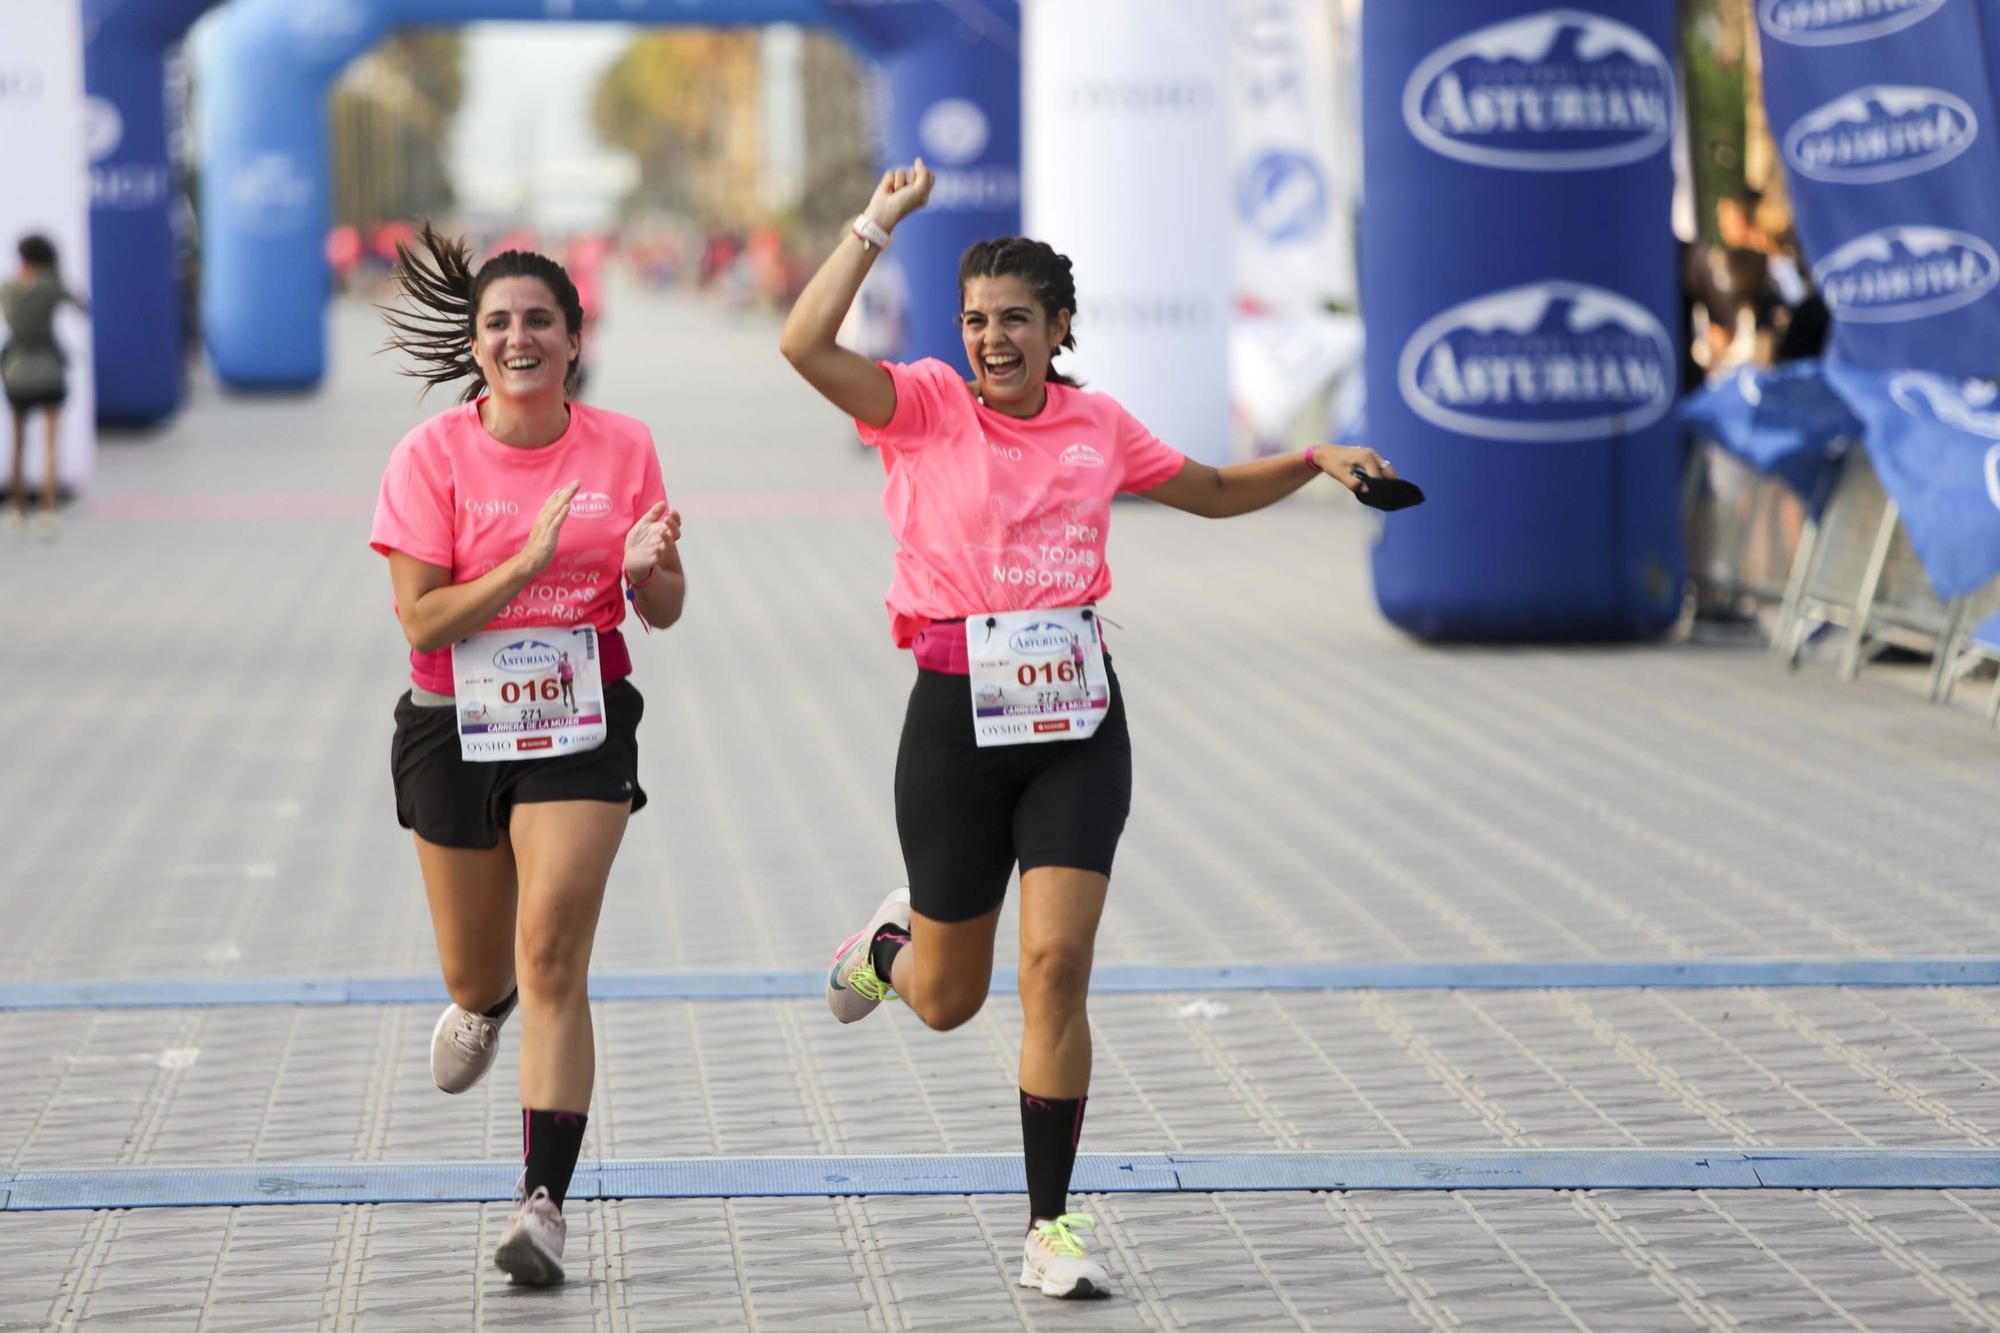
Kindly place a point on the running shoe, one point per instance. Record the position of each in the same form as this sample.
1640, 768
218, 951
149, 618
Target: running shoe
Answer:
463, 1046
531, 1247
1052, 1258
852, 988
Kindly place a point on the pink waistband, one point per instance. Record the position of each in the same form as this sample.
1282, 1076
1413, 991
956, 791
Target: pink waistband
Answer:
940, 646
432, 671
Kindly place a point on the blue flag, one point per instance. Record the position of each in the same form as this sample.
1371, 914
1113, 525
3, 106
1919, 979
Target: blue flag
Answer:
1885, 115
1785, 421
1935, 443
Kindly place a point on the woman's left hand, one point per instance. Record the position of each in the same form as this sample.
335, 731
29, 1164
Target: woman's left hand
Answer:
1340, 462
653, 543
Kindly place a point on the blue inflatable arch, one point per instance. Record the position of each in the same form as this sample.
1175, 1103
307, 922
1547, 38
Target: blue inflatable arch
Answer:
268, 66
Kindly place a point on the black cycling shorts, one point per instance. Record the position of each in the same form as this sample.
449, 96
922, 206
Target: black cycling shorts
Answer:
454, 803
966, 815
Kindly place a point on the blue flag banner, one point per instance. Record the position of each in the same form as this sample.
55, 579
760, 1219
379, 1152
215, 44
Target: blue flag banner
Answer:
1935, 443
1885, 116
1785, 421
1520, 286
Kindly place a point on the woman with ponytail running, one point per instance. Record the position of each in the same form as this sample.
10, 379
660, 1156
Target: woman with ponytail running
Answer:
1014, 747
517, 526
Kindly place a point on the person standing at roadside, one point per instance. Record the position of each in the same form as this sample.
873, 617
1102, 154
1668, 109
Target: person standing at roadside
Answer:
35, 372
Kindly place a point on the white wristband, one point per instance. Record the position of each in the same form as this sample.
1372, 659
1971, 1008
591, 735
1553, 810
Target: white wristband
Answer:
870, 231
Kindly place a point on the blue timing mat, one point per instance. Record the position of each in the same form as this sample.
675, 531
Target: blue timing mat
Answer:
1096, 1173
1589, 974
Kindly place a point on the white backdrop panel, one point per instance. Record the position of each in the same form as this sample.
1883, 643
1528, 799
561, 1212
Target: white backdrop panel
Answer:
1126, 162
47, 173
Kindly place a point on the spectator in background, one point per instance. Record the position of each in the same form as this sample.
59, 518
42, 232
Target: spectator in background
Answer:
1802, 322
343, 255
35, 371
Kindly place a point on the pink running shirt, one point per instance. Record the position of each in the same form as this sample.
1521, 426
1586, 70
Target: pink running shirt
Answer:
1000, 513
455, 497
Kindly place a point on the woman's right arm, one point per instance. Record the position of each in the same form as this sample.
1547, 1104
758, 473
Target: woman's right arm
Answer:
437, 613
851, 382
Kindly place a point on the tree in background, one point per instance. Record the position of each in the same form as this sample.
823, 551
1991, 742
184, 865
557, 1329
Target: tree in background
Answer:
843, 157
684, 103
1721, 91
392, 111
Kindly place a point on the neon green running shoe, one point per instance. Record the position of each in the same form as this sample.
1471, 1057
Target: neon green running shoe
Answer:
1053, 1260
852, 988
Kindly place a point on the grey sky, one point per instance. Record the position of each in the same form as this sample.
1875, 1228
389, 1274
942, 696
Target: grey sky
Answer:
524, 146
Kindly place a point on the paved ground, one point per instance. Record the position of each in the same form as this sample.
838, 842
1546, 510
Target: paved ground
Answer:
200, 674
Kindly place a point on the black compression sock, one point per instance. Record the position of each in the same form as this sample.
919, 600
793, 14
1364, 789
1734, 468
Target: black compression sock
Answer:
550, 1142
889, 941
1050, 1128
505, 1007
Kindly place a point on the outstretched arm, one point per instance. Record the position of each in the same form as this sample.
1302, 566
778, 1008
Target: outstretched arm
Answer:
1242, 488
848, 380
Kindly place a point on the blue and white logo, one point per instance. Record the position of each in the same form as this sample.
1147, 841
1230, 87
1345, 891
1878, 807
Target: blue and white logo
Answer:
1838, 22
1282, 197
1900, 273
1040, 639
527, 657
1972, 406
954, 131
270, 193
103, 128
1880, 133
1562, 90
1546, 362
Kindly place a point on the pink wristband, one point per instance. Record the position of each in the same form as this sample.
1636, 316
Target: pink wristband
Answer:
1312, 462
652, 570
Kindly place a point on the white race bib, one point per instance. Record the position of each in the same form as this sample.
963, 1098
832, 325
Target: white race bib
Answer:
528, 694
1036, 675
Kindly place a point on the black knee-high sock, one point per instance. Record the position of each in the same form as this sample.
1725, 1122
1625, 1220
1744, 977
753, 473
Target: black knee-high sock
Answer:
1050, 1128
889, 941
550, 1142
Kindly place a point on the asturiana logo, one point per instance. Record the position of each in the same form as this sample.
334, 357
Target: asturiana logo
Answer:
1838, 22
1900, 273
1562, 90
1081, 455
1040, 639
1880, 133
1548, 361
527, 657
589, 504
1972, 406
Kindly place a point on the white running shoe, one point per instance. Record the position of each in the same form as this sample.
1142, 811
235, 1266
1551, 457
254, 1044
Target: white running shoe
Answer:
531, 1247
852, 988
1052, 1258
463, 1047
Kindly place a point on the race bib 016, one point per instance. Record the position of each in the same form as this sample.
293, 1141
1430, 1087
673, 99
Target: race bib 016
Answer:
528, 694
1036, 675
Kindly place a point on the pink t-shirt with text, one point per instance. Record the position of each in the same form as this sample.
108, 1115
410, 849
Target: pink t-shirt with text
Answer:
1000, 513
455, 497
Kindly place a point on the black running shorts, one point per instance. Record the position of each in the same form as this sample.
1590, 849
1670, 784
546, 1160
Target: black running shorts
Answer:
967, 815
453, 803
